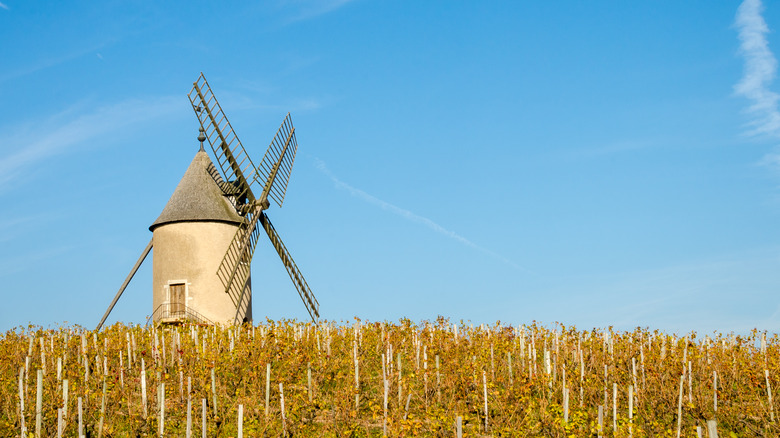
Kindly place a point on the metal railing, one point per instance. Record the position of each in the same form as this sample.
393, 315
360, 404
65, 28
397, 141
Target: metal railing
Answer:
170, 312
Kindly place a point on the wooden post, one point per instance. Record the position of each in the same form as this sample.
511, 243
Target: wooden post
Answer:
385, 385
65, 398
630, 410
438, 381
39, 401
484, 392
308, 373
679, 406
281, 401
509, 363
459, 426
161, 402
357, 378
240, 421
203, 416
188, 432
690, 383
399, 380
143, 387
81, 420
267, 386
21, 401
769, 396
614, 407
715, 391
712, 428
214, 392
601, 421
102, 409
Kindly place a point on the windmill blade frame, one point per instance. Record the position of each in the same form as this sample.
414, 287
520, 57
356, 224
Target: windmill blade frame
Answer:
231, 156
277, 163
235, 268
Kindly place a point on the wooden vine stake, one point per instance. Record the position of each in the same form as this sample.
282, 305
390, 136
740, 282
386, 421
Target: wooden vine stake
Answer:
214, 391
438, 381
240, 421
161, 402
357, 378
614, 407
601, 421
308, 372
102, 409
384, 404
203, 416
281, 401
509, 363
715, 391
769, 396
712, 428
459, 426
399, 378
679, 405
630, 410
81, 419
65, 398
267, 386
484, 393
143, 387
39, 401
188, 431
21, 401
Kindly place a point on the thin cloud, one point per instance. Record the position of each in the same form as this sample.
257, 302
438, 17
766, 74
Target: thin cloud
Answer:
62, 132
314, 8
760, 69
4, 6
49, 62
408, 215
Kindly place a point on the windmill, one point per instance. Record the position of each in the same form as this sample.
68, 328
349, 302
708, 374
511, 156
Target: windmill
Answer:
208, 231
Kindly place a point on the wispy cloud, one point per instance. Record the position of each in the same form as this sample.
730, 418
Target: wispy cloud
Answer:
759, 72
308, 9
760, 69
408, 215
4, 6
40, 140
45, 63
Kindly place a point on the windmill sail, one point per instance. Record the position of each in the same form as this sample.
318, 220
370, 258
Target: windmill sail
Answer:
312, 306
274, 171
234, 270
231, 156
239, 173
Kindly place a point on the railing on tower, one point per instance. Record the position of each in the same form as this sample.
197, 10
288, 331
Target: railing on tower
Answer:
175, 312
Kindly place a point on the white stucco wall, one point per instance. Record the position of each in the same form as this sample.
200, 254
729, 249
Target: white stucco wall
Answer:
190, 252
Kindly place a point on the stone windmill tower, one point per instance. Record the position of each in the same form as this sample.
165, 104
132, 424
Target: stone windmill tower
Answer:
205, 236
190, 238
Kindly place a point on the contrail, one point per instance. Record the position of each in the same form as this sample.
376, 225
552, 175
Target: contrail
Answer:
408, 215
760, 69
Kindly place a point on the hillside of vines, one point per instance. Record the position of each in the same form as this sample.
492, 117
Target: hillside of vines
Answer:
373, 379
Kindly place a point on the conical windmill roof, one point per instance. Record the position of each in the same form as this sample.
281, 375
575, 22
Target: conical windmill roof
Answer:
198, 197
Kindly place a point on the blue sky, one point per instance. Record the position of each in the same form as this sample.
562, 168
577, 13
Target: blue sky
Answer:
591, 163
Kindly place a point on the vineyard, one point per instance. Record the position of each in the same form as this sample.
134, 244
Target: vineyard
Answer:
383, 379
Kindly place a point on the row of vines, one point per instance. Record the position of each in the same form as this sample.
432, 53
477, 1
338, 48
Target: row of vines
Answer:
373, 379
